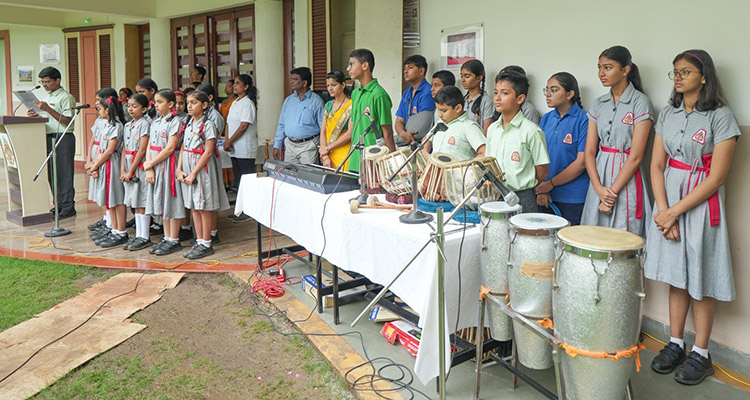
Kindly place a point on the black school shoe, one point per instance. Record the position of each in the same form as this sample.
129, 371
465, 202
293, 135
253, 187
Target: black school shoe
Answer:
70, 212
185, 234
139, 244
128, 243
155, 229
199, 251
100, 234
130, 223
159, 244
167, 248
113, 240
694, 369
98, 231
669, 358
215, 238
96, 225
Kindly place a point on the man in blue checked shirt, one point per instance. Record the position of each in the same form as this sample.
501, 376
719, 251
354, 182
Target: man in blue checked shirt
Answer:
299, 122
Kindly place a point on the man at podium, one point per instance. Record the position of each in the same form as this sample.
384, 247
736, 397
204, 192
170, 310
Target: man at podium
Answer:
59, 105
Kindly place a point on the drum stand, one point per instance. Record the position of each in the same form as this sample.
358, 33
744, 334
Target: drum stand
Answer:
414, 216
362, 198
512, 366
56, 231
438, 237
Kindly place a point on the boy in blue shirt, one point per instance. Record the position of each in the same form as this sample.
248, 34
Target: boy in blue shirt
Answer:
415, 99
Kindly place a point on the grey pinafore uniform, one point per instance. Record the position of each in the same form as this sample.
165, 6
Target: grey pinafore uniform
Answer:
96, 132
700, 261
203, 194
164, 195
215, 116
107, 190
135, 192
615, 123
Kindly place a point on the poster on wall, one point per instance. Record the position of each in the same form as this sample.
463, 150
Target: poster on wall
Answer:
461, 44
8, 154
49, 53
411, 24
25, 73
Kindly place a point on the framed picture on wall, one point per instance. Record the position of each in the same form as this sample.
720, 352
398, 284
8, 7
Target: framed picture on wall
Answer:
49, 53
460, 44
25, 73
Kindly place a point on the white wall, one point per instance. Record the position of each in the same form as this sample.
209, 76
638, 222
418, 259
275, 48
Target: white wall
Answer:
269, 61
161, 52
302, 42
551, 36
24, 50
378, 28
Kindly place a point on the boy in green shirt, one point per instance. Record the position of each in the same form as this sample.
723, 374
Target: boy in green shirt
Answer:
464, 138
369, 98
518, 144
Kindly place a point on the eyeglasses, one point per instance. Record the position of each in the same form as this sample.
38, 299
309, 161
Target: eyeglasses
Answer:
47, 82
550, 91
682, 74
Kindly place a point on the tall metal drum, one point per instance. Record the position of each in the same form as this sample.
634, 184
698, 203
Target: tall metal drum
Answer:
532, 256
597, 305
493, 260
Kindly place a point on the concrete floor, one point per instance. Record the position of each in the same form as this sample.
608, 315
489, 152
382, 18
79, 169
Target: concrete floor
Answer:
495, 379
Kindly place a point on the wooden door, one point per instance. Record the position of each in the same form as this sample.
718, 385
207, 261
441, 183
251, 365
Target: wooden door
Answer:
89, 85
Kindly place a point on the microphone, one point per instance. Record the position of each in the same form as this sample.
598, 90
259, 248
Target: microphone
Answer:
373, 126
82, 106
509, 196
36, 87
439, 127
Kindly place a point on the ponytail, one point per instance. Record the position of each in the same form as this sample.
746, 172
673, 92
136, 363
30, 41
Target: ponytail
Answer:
621, 55
568, 82
634, 77
110, 100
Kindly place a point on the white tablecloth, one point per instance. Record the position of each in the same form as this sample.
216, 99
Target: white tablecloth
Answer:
375, 244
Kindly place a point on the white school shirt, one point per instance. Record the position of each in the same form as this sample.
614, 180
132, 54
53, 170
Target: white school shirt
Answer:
243, 110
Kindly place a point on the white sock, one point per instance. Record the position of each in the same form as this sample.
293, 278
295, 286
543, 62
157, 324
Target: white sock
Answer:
680, 342
142, 226
107, 219
214, 232
172, 240
119, 233
703, 352
207, 243
185, 227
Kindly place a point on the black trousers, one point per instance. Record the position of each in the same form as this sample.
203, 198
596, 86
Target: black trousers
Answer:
66, 153
242, 166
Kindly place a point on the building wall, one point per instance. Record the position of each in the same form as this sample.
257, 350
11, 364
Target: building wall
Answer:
551, 37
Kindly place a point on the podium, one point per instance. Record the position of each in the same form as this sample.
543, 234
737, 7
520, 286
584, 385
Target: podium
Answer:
22, 141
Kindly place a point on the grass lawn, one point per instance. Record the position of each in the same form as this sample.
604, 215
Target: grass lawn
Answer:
28, 287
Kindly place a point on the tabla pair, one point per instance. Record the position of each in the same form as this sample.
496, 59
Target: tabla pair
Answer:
589, 279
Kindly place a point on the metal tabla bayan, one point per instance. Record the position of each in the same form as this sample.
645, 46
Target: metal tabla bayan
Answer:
461, 177
431, 186
597, 298
493, 260
532, 256
390, 163
371, 174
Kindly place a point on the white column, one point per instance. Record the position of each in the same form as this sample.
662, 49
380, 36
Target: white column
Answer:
118, 55
269, 66
161, 52
378, 28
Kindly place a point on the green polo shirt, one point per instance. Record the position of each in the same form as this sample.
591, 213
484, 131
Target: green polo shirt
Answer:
374, 97
61, 101
461, 140
518, 148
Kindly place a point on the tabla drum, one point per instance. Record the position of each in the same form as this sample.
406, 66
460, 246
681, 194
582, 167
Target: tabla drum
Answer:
431, 186
390, 163
597, 302
461, 177
532, 255
371, 174
493, 261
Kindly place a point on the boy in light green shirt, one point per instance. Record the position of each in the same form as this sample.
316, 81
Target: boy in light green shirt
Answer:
518, 144
464, 139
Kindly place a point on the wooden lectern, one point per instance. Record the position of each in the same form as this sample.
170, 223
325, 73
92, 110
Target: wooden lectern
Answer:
24, 149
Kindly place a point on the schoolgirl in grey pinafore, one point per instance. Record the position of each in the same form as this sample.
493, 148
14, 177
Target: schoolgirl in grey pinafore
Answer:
203, 194
215, 116
96, 132
615, 123
164, 197
107, 189
136, 193
700, 261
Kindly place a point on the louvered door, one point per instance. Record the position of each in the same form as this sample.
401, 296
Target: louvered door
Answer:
320, 44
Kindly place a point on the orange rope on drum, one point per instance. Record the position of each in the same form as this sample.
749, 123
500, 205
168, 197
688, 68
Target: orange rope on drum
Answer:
546, 323
484, 291
633, 351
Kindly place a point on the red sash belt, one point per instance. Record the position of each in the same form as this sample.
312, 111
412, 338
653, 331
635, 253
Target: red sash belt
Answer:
201, 150
172, 184
133, 153
638, 181
108, 176
713, 202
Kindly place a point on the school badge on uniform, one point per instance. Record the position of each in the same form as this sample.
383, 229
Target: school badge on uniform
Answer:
515, 156
452, 140
628, 119
568, 139
414, 110
163, 133
700, 136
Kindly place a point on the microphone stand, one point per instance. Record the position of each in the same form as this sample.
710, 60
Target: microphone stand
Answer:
362, 198
56, 231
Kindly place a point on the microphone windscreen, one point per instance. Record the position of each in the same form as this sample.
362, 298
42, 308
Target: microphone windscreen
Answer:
511, 198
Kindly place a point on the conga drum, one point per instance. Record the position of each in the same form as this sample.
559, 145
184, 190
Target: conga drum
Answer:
461, 177
371, 175
532, 256
431, 186
390, 163
493, 261
597, 305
